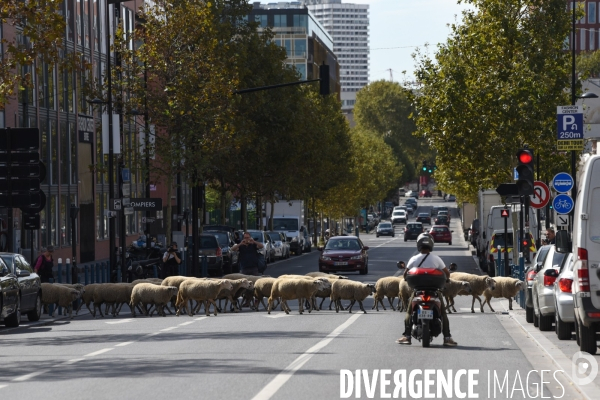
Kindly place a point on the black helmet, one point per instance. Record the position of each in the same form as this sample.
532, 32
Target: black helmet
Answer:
425, 240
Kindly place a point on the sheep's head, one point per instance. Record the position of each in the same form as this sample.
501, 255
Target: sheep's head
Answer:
371, 287
342, 277
244, 283
466, 286
225, 284
172, 290
490, 283
75, 294
520, 285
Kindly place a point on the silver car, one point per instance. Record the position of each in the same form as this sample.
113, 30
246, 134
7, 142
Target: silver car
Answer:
267, 250
564, 319
281, 248
542, 290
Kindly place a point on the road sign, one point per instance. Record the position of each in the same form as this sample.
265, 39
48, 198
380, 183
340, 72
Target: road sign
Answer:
507, 189
125, 174
128, 210
562, 182
126, 189
115, 204
568, 145
542, 195
21, 139
563, 204
561, 220
147, 220
569, 121
504, 213
146, 204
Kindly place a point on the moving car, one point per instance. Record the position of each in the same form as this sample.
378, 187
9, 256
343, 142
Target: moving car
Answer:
412, 193
30, 285
281, 248
441, 234
530, 274
344, 253
424, 218
473, 232
542, 290
425, 193
444, 213
442, 220
399, 217
9, 290
412, 231
385, 229
564, 317
434, 210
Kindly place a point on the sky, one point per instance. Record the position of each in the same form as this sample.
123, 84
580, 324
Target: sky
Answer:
398, 27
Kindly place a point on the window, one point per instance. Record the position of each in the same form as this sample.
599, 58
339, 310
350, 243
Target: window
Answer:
64, 224
592, 39
582, 41
70, 23
280, 20
54, 151
300, 21
591, 13
301, 68
288, 47
261, 19
64, 153
300, 47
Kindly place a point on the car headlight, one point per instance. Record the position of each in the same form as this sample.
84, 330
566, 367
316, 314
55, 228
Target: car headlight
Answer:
324, 258
356, 258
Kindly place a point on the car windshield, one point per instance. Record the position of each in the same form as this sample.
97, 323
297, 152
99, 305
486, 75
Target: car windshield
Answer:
557, 259
342, 244
222, 238
442, 218
499, 240
275, 237
385, 225
399, 212
257, 236
414, 226
440, 229
285, 224
8, 260
206, 242
423, 215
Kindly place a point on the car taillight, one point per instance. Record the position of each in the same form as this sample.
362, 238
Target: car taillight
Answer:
564, 285
594, 314
583, 274
531, 275
219, 252
549, 280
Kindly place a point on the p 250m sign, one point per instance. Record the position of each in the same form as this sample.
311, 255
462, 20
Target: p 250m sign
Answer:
569, 122
146, 204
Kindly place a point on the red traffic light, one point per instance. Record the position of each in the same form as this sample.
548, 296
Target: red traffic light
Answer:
504, 213
525, 156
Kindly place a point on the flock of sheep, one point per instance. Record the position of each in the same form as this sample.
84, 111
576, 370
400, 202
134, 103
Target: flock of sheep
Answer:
154, 295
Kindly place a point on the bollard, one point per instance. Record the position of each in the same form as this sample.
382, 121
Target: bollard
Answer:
68, 271
103, 272
86, 274
204, 266
155, 269
97, 272
59, 271
118, 274
92, 273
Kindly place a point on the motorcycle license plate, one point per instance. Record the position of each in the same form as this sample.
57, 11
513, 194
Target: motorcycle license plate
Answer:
340, 263
425, 314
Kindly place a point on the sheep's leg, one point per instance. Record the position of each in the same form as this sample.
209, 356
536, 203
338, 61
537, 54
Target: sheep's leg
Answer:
322, 301
480, 303
70, 310
452, 299
490, 304
391, 300
166, 306
375, 305
510, 303
285, 306
91, 312
473, 305
448, 311
350, 306
338, 305
212, 301
270, 307
206, 306
139, 308
361, 306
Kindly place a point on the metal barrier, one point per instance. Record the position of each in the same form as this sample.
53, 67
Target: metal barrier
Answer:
204, 266
86, 274
97, 272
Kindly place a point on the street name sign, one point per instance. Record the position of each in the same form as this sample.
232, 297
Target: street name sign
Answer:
146, 204
542, 195
563, 204
569, 123
562, 182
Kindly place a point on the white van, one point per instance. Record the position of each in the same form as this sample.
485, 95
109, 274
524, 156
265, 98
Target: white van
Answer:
586, 251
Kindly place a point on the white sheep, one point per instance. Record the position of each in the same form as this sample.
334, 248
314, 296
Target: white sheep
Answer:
112, 294
237, 284
202, 291
262, 289
88, 297
506, 287
289, 289
451, 290
60, 296
75, 286
389, 287
150, 293
322, 293
350, 290
479, 283
404, 296
246, 294
325, 275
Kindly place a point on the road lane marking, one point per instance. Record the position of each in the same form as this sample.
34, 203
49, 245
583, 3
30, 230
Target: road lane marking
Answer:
272, 387
31, 375
123, 344
3, 386
121, 321
168, 329
95, 353
187, 323
277, 315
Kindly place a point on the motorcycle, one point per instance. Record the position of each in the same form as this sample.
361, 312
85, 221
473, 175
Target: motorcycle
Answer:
425, 309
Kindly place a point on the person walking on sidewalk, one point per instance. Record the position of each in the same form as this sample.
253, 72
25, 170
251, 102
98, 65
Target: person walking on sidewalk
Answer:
44, 264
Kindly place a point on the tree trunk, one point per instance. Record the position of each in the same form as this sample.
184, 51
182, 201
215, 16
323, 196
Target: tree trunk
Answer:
272, 211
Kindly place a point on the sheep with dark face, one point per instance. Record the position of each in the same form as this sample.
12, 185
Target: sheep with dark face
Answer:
506, 287
151, 294
478, 283
350, 290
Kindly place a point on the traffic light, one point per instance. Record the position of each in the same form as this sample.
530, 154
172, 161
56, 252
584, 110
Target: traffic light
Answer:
324, 79
525, 171
424, 165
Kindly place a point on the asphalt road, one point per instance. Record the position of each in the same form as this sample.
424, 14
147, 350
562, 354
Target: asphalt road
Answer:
252, 355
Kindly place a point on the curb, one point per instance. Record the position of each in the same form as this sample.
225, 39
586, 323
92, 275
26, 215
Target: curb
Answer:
44, 322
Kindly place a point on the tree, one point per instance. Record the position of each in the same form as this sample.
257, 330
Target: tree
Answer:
493, 87
39, 37
588, 64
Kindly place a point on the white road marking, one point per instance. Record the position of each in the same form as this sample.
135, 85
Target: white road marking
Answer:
468, 316
31, 375
95, 353
506, 343
121, 321
187, 323
3, 386
272, 387
277, 315
123, 344
168, 329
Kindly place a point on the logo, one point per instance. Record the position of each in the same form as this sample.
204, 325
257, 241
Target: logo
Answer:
584, 368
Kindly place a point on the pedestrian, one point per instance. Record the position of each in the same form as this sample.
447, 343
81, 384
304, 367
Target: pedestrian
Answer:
44, 265
550, 236
426, 260
172, 259
248, 257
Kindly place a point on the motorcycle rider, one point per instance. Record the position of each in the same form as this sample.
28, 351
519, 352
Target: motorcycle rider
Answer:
426, 260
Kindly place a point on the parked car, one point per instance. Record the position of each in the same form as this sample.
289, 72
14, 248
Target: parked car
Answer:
530, 274
30, 285
564, 317
9, 290
413, 230
542, 290
267, 250
385, 229
441, 234
401, 192
209, 247
424, 218
441, 220
473, 232
399, 217
230, 257
281, 247
412, 193
425, 193
344, 253
451, 197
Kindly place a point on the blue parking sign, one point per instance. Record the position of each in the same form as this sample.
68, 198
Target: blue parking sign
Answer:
563, 204
569, 122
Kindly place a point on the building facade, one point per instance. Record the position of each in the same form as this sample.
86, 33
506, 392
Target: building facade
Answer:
348, 24
307, 43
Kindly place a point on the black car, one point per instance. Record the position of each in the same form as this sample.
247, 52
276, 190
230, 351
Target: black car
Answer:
209, 247
424, 218
226, 241
434, 210
442, 221
385, 228
30, 285
413, 230
9, 290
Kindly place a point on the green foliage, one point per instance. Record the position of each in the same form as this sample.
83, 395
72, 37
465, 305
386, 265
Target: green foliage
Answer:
588, 64
494, 86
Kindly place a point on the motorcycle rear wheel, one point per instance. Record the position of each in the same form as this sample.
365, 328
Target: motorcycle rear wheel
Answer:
426, 340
